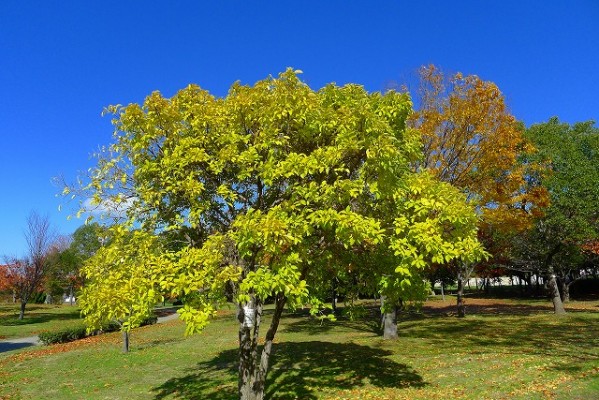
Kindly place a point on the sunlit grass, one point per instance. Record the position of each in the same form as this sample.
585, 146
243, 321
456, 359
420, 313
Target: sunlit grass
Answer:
529, 354
38, 317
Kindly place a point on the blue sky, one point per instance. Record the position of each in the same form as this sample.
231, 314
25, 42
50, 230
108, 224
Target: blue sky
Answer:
61, 62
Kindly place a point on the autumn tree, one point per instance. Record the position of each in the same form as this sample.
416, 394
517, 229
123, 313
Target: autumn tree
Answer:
262, 184
471, 141
571, 222
8, 279
25, 275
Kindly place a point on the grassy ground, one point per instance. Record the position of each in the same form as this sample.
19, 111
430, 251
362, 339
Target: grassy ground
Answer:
502, 350
38, 317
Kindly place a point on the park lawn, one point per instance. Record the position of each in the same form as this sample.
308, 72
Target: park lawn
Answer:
38, 317
528, 354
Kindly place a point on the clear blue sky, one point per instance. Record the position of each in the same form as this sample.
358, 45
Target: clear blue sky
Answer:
61, 62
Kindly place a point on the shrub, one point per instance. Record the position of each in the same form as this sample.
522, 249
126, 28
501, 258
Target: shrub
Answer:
151, 320
63, 335
79, 332
585, 288
114, 326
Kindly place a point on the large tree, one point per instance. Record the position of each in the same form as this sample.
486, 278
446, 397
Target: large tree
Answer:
554, 246
267, 188
471, 140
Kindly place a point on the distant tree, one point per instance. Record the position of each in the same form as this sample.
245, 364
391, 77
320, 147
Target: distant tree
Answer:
26, 275
471, 141
571, 222
8, 279
60, 261
87, 240
262, 182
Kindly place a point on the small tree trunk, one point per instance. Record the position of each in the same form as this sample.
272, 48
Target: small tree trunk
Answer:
558, 306
71, 298
442, 291
390, 323
22, 311
260, 379
125, 341
334, 293
460, 299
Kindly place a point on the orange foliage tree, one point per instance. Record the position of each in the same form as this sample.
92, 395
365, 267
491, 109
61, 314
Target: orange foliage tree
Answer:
7, 280
471, 140
25, 277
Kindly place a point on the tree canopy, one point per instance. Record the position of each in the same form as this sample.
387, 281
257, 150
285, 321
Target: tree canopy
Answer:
471, 140
264, 189
570, 154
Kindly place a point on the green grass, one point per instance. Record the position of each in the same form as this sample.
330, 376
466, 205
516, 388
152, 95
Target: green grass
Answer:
38, 317
495, 355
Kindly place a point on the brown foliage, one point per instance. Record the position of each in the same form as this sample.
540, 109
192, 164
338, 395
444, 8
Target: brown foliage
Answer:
471, 140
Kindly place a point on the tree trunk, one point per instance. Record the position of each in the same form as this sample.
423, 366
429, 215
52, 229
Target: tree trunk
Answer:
389, 320
334, 293
125, 341
558, 306
565, 292
460, 299
22, 311
253, 372
246, 315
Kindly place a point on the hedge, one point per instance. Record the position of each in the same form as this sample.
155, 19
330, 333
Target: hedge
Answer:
79, 332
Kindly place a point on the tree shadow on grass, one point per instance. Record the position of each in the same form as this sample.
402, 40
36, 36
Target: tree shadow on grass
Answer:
298, 370
38, 318
490, 307
575, 337
369, 322
313, 326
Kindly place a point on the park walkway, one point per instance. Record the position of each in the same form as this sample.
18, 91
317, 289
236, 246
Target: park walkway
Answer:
19, 343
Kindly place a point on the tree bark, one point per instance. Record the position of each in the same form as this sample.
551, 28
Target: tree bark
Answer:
389, 320
460, 298
565, 292
334, 294
22, 310
253, 372
246, 317
125, 341
558, 306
